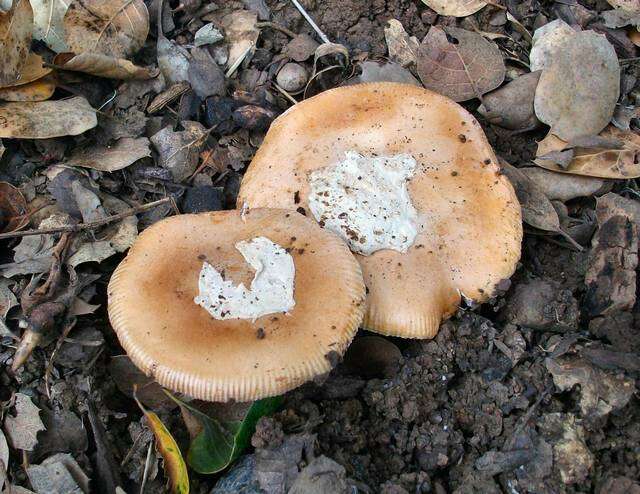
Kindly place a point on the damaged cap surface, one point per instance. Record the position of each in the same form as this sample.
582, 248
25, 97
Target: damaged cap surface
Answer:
170, 337
468, 218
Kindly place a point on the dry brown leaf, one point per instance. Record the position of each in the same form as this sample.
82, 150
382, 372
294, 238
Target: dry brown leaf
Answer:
32, 70
103, 66
511, 106
565, 186
117, 28
630, 5
47, 23
456, 8
45, 119
547, 41
179, 151
600, 161
13, 208
537, 209
459, 64
123, 153
577, 92
16, 27
40, 90
634, 35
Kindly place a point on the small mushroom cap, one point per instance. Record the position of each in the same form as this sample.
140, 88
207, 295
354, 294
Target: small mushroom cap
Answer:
169, 337
470, 228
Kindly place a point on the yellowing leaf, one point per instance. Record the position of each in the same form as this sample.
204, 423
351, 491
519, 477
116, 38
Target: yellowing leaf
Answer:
174, 464
117, 28
16, 26
456, 8
39, 90
47, 22
103, 66
45, 119
614, 155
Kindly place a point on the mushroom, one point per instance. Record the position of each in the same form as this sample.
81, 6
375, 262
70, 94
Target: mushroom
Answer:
407, 178
236, 305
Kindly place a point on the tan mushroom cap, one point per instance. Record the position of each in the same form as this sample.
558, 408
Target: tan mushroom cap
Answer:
177, 342
470, 223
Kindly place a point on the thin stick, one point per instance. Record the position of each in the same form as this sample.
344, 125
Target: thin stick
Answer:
89, 225
311, 22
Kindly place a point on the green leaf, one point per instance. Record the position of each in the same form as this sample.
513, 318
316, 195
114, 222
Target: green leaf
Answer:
220, 443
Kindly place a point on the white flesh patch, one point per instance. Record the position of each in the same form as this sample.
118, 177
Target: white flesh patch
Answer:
271, 289
366, 202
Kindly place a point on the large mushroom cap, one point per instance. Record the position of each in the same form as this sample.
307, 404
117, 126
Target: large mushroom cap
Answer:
168, 336
469, 223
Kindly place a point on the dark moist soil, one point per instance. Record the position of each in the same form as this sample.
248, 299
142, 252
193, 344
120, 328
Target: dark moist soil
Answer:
475, 410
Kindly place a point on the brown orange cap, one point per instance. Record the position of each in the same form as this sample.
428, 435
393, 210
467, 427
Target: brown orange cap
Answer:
469, 222
170, 337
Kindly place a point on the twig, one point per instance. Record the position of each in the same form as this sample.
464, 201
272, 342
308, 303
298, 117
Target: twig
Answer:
311, 22
277, 27
285, 94
89, 225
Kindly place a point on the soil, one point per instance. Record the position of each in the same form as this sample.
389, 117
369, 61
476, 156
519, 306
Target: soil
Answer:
483, 408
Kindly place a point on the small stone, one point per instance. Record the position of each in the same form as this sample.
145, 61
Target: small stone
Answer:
292, 77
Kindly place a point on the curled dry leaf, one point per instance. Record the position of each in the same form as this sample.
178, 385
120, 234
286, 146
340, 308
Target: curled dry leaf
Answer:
459, 64
16, 26
241, 32
511, 106
39, 90
13, 208
564, 186
578, 90
117, 28
103, 66
547, 41
615, 155
48, 16
402, 48
123, 153
45, 119
456, 8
